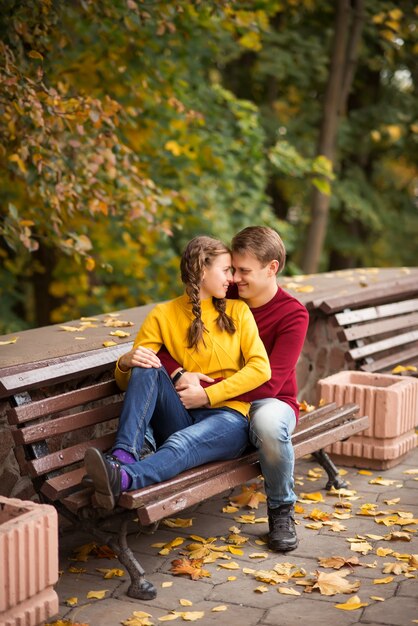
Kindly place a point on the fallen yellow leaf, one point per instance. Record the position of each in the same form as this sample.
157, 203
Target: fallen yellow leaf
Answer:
383, 581
288, 591
365, 473
8, 341
184, 602
220, 608
71, 601
330, 584
109, 344
231, 578
97, 595
314, 497
166, 584
138, 618
258, 555
111, 573
230, 509
352, 604
119, 333
178, 522
378, 598
230, 565
192, 616
261, 589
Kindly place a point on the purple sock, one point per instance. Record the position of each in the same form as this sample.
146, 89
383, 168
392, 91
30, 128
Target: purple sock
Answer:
124, 457
125, 479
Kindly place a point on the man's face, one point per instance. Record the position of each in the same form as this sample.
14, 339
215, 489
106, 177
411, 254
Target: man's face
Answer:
251, 278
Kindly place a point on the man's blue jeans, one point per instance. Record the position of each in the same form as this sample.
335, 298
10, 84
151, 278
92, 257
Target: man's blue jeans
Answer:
271, 426
184, 438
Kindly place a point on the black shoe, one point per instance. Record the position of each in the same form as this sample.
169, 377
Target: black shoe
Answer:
146, 450
282, 533
105, 473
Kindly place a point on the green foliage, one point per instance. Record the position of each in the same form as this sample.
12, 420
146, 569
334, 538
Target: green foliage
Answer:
127, 127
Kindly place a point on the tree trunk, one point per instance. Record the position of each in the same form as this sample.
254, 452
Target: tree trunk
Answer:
348, 25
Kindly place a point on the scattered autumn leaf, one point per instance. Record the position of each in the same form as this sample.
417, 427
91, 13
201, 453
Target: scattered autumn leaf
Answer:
219, 609
337, 562
395, 568
97, 595
178, 522
288, 591
71, 601
314, 497
383, 581
192, 616
111, 573
398, 369
190, 568
119, 333
261, 589
249, 497
114, 323
399, 535
9, 341
331, 583
185, 602
109, 344
352, 604
230, 509
305, 406
138, 618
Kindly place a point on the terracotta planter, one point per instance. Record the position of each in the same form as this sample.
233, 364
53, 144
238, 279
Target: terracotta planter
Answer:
390, 402
28, 562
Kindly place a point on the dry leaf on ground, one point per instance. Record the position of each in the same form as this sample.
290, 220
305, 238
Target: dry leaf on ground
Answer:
190, 568
333, 583
178, 522
352, 604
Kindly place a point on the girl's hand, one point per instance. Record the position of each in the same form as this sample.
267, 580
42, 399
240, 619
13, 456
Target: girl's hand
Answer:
139, 357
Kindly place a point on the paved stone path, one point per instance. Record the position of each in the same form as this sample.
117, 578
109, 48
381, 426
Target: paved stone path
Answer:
246, 607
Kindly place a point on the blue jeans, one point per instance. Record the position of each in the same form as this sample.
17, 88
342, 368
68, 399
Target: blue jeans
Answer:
184, 439
271, 426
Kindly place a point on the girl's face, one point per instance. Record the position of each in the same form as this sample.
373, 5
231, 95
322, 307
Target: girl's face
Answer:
216, 278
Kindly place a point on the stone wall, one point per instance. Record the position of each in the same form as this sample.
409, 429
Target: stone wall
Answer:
322, 355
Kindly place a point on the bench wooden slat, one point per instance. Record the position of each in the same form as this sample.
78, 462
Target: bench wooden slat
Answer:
384, 344
159, 506
69, 456
397, 358
67, 424
62, 485
379, 328
59, 372
376, 312
62, 402
401, 287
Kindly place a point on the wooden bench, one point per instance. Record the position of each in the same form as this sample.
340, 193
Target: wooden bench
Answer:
59, 409
380, 325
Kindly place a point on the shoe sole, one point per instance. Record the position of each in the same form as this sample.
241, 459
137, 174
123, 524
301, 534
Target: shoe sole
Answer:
282, 548
96, 469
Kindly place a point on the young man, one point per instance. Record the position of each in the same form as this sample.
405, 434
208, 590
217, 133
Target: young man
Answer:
258, 256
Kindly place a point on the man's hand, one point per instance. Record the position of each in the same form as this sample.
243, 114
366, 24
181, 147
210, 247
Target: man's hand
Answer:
139, 357
192, 396
192, 378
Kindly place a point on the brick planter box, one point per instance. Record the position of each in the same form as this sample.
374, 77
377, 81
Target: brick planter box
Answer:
28, 562
390, 402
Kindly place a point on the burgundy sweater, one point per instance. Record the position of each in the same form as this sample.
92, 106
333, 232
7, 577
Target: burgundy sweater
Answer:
282, 323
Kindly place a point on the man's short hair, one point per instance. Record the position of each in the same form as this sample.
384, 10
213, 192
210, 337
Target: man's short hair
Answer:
262, 242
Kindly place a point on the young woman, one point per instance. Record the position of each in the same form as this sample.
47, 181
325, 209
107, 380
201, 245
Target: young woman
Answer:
203, 332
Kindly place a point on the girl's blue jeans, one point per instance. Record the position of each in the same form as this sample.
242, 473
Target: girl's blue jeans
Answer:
184, 439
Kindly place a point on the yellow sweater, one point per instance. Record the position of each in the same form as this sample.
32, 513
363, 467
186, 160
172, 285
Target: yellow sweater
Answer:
240, 359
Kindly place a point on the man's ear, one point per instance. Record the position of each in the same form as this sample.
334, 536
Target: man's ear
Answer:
273, 268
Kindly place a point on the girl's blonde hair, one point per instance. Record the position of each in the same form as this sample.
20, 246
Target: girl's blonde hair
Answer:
199, 254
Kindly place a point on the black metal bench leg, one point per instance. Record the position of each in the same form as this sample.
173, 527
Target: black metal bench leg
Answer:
140, 588
334, 479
